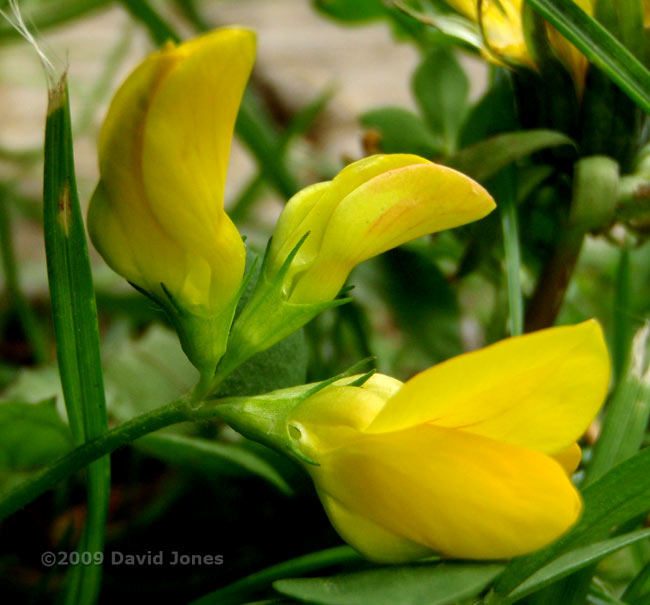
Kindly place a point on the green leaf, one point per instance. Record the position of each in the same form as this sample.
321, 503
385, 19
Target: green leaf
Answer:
572, 561
483, 160
406, 585
599, 46
247, 587
75, 327
351, 12
402, 131
626, 417
144, 374
450, 24
441, 89
210, 457
618, 496
31, 436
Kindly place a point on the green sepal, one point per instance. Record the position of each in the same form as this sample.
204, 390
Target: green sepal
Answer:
264, 418
269, 316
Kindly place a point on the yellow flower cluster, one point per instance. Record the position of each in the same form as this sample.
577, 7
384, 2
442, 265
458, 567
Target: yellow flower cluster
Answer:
501, 23
467, 459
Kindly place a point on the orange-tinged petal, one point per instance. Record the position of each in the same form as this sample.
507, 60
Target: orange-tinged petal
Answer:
458, 494
540, 390
310, 210
384, 212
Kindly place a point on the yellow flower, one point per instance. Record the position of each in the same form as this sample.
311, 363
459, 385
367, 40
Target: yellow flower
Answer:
371, 206
503, 31
157, 215
468, 459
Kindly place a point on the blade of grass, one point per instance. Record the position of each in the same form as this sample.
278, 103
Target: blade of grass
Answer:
627, 416
75, 328
599, 46
506, 196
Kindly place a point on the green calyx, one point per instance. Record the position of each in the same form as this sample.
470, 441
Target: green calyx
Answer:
264, 418
203, 337
269, 316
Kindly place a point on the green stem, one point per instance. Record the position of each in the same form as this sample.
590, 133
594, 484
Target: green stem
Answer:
595, 189
31, 329
554, 281
82, 456
240, 591
509, 226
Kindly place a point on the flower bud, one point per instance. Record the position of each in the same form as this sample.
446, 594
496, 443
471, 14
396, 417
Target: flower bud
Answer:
157, 215
371, 206
501, 22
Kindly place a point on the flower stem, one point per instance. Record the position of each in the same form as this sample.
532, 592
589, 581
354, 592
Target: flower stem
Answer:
79, 458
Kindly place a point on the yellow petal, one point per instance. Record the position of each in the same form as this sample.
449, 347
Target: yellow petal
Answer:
502, 26
163, 156
333, 416
569, 458
459, 494
310, 210
368, 538
503, 30
107, 233
540, 390
574, 61
384, 212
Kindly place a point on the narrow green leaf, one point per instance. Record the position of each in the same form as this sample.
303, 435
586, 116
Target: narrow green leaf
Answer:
158, 28
239, 591
210, 457
572, 561
450, 24
259, 137
639, 586
407, 585
618, 496
626, 418
484, 159
75, 327
504, 186
599, 46
351, 12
